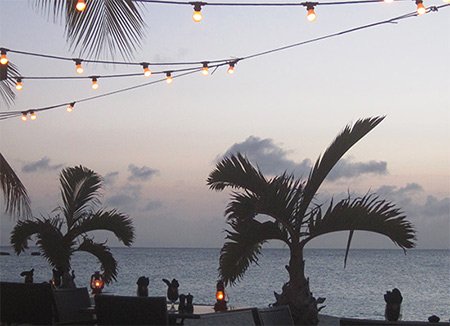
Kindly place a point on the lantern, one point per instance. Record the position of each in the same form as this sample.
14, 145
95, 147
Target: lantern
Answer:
221, 304
97, 283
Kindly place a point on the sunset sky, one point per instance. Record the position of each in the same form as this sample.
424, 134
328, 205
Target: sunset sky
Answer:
156, 145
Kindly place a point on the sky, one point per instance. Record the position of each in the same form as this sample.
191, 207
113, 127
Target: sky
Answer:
156, 145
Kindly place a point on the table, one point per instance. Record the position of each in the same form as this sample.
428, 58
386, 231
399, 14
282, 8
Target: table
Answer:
175, 316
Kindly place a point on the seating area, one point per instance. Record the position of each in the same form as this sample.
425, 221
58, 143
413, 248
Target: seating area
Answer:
39, 304
372, 322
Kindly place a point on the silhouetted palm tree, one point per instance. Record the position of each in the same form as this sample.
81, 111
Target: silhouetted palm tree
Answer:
77, 217
14, 193
296, 219
104, 27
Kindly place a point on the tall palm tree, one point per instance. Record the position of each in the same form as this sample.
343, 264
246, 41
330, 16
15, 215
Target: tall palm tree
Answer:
296, 219
15, 194
60, 236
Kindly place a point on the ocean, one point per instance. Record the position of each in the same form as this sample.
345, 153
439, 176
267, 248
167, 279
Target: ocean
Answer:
422, 276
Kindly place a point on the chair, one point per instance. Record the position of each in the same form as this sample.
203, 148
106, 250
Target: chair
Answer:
123, 310
248, 317
26, 303
72, 306
276, 316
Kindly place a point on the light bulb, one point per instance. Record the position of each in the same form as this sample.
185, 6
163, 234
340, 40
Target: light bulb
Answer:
94, 83
70, 107
169, 78
231, 68
388, 1
78, 66
24, 116
147, 71
19, 84
81, 5
311, 15
33, 115
197, 15
205, 69
3, 58
420, 8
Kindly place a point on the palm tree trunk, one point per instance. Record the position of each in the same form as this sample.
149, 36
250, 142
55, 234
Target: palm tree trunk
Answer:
296, 293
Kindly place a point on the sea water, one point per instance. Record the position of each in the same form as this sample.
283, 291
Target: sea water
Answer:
423, 277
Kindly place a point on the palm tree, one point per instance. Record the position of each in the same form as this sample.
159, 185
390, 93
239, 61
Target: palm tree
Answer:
15, 194
105, 27
295, 219
60, 236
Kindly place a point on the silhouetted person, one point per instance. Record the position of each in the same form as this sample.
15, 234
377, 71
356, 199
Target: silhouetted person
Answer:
142, 286
28, 275
393, 304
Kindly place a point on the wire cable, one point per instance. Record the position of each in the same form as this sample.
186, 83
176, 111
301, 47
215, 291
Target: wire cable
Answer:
10, 114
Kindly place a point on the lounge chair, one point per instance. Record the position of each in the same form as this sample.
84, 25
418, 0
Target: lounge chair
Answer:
26, 303
73, 306
276, 316
238, 317
123, 310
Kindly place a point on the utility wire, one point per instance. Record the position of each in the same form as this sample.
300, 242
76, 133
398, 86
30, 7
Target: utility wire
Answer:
10, 114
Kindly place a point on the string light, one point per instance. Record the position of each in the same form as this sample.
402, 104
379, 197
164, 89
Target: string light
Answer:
205, 69
217, 63
24, 116
197, 15
33, 115
231, 67
311, 15
147, 71
94, 83
19, 84
169, 78
70, 107
421, 10
3, 57
81, 5
78, 66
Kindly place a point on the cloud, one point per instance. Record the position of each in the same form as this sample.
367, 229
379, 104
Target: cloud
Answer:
130, 199
272, 160
110, 178
40, 165
141, 174
152, 205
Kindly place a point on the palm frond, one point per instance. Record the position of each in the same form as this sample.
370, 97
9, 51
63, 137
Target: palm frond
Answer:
244, 246
104, 255
343, 142
80, 190
278, 200
368, 213
118, 223
14, 192
105, 27
50, 240
237, 172
7, 85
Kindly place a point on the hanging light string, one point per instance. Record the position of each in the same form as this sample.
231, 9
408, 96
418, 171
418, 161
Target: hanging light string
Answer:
230, 62
261, 4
